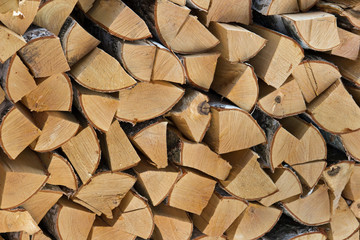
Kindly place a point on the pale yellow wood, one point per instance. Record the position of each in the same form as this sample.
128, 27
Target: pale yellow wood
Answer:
2, 96
273, 7
310, 172
351, 143
85, 5
352, 189
40, 236
349, 45
199, 4
355, 236
10, 44
179, 2
101, 230
305, 5
8, 6
17, 220
355, 208
311, 236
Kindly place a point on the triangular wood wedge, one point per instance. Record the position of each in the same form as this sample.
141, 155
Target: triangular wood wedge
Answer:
76, 41
104, 192
352, 189
314, 76
10, 44
158, 97
189, 197
236, 82
288, 184
220, 135
17, 220
60, 169
349, 45
9, 5
230, 47
119, 20
191, 115
101, 230
26, 173
101, 72
40, 236
83, 152
16, 79
196, 155
202, 5
66, 218
310, 172
85, 5
313, 209
273, 7
247, 180
153, 183
117, 149
43, 53
254, 222
53, 93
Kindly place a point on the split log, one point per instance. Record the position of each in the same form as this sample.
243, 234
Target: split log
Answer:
40, 236
247, 173
306, 5
15, 123
287, 183
221, 211
153, 183
200, 69
202, 5
349, 45
100, 72
230, 47
17, 220
310, 172
285, 101
274, 7
355, 208
236, 82
104, 192
191, 115
85, 5
165, 218
101, 230
67, 219
308, 211
197, 235
117, 149
254, 222
189, 197
16, 79
83, 151
276, 61
350, 143
352, 189
158, 97
43, 53
21, 21
53, 93
119, 20
196, 155
26, 173
314, 76
76, 41
61, 171
220, 135
355, 236
179, 2
9, 5
10, 44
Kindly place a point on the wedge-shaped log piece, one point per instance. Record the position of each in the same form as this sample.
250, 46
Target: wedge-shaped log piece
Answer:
288, 184
150, 138
76, 41
197, 235
67, 219
306, 5
9, 5
26, 173
41, 202
196, 155
133, 216
236, 82
101, 230
219, 214
40, 236
273, 7
343, 222
17, 220
351, 143
165, 218
285, 101
202, 5
53, 93
98, 108
56, 129
85, 5
117, 149
349, 45
158, 97
100, 72
153, 183
16, 79
104, 192
83, 151
189, 197
192, 115
355, 208
352, 189
313, 209
310, 172
61, 171
254, 222
228, 123
276, 61
231, 47
20, 22
15, 123
10, 44
200, 69
117, 18
336, 104
314, 76
246, 179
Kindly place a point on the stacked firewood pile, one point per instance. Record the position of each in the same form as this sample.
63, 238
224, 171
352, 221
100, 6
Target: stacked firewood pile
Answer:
180, 120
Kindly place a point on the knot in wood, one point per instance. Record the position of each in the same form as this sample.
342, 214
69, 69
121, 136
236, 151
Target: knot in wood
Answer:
278, 99
204, 108
334, 171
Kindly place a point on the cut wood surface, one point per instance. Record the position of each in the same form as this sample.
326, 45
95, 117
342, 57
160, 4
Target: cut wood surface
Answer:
349, 45
101, 230
10, 44
202, 5
85, 5
17, 220
310, 172
351, 190
8, 5
273, 7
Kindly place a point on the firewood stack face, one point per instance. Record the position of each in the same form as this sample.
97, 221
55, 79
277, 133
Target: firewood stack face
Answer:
179, 119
